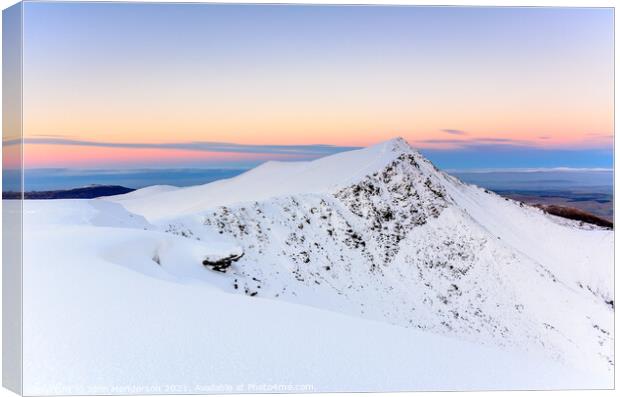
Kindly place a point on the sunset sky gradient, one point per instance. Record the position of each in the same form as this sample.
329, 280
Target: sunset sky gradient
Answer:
485, 81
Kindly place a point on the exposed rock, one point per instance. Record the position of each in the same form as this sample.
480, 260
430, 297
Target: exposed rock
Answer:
221, 265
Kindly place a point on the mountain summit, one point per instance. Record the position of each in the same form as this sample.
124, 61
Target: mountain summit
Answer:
276, 178
381, 233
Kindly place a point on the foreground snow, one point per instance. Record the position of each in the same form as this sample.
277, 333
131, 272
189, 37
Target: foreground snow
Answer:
100, 316
366, 270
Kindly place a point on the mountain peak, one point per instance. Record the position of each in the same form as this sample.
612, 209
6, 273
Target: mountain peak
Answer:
395, 145
397, 141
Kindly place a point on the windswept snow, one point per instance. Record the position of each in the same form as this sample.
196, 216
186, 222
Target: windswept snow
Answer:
365, 270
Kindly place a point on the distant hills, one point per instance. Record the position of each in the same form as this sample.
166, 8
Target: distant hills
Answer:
575, 214
86, 192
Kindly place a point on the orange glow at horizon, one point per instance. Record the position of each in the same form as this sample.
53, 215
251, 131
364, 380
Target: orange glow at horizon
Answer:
344, 124
59, 156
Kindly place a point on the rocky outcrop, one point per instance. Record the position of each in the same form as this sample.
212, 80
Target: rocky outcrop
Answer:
222, 264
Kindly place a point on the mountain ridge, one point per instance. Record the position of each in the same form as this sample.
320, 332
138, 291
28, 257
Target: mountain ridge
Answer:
401, 242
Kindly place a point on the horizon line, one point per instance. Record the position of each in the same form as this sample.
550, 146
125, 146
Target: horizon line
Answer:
220, 168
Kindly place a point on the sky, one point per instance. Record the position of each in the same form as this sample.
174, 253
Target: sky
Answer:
110, 85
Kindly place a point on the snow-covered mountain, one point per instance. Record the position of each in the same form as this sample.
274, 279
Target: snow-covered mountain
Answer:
379, 234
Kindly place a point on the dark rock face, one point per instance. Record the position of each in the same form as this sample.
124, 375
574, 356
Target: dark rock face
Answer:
221, 265
393, 201
361, 224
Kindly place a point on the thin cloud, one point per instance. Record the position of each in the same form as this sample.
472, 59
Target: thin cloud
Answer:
505, 145
475, 142
317, 150
507, 140
452, 131
597, 134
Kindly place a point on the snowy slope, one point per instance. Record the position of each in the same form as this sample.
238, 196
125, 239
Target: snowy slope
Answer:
377, 234
145, 192
101, 316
